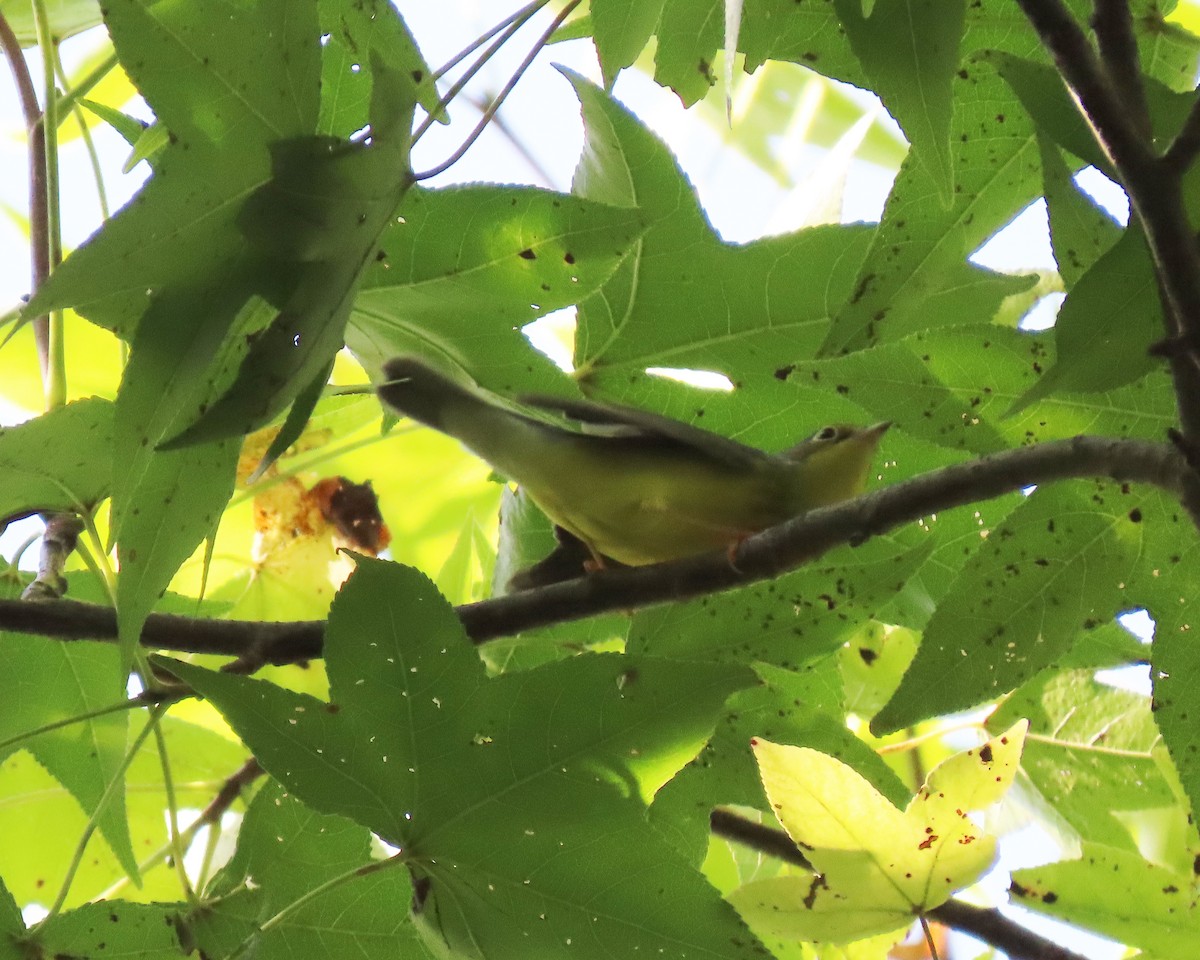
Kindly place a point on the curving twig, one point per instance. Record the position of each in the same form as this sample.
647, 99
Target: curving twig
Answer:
1154, 183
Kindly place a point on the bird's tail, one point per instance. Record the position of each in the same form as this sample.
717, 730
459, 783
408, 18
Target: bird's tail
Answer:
416, 390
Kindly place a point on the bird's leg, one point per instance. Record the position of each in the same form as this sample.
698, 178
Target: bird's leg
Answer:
732, 549
595, 562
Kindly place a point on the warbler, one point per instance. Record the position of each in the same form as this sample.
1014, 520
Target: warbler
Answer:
633, 486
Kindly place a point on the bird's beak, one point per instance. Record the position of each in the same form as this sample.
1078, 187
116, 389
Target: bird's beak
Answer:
877, 430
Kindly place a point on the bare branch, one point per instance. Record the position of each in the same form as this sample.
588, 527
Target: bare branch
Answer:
1154, 186
1113, 25
39, 209
58, 543
1183, 149
767, 555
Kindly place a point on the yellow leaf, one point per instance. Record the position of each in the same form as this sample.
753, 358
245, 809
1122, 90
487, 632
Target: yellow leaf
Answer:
876, 867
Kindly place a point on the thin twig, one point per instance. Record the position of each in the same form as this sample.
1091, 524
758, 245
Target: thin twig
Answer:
506, 29
518, 16
1156, 195
457, 155
58, 543
761, 557
39, 213
1186, 145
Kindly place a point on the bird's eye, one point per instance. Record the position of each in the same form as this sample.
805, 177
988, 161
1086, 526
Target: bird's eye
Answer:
827, 433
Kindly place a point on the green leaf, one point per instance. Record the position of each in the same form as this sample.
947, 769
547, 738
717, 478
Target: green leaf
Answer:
56, 682
320, 216
1106, 324
286, 851
683, 298
60, 461
225, 87
916, 276
621, 29
1170, 552
1117, 894
872, 663
1045, 98
42, 822
166, 503
112, 929
355, 34
1080, 231
801, 707
1091, 753
909, 50
438, 290
811, 35
129, 128
67, 18
786, 622
1053, 568
11, 925
480, 782
954, 388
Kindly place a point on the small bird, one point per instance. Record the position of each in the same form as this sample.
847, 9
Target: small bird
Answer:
633, 486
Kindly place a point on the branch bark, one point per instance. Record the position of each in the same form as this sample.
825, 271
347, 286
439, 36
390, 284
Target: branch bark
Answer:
1154, 183
39, 210
767, 555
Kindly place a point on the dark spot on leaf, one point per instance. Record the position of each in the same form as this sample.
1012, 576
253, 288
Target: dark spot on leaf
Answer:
1135, 515
527, 254
986, 753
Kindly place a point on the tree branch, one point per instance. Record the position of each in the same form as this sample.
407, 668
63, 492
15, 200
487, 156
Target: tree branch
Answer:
58, 543
1113, 27
761, 557
989, 925
39, 201
1154, 185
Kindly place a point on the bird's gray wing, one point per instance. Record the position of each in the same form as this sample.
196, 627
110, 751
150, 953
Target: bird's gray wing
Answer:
634, 424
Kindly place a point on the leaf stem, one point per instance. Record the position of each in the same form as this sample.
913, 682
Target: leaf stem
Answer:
174, 840
331, 884
38, 213
19, 738
68, 100
54, 372
521, 15
110, 790
911, 743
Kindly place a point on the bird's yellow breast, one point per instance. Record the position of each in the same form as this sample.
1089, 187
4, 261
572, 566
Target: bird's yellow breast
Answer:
642, 513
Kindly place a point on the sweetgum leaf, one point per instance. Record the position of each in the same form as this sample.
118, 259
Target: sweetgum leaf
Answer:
60, 461
484, 783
